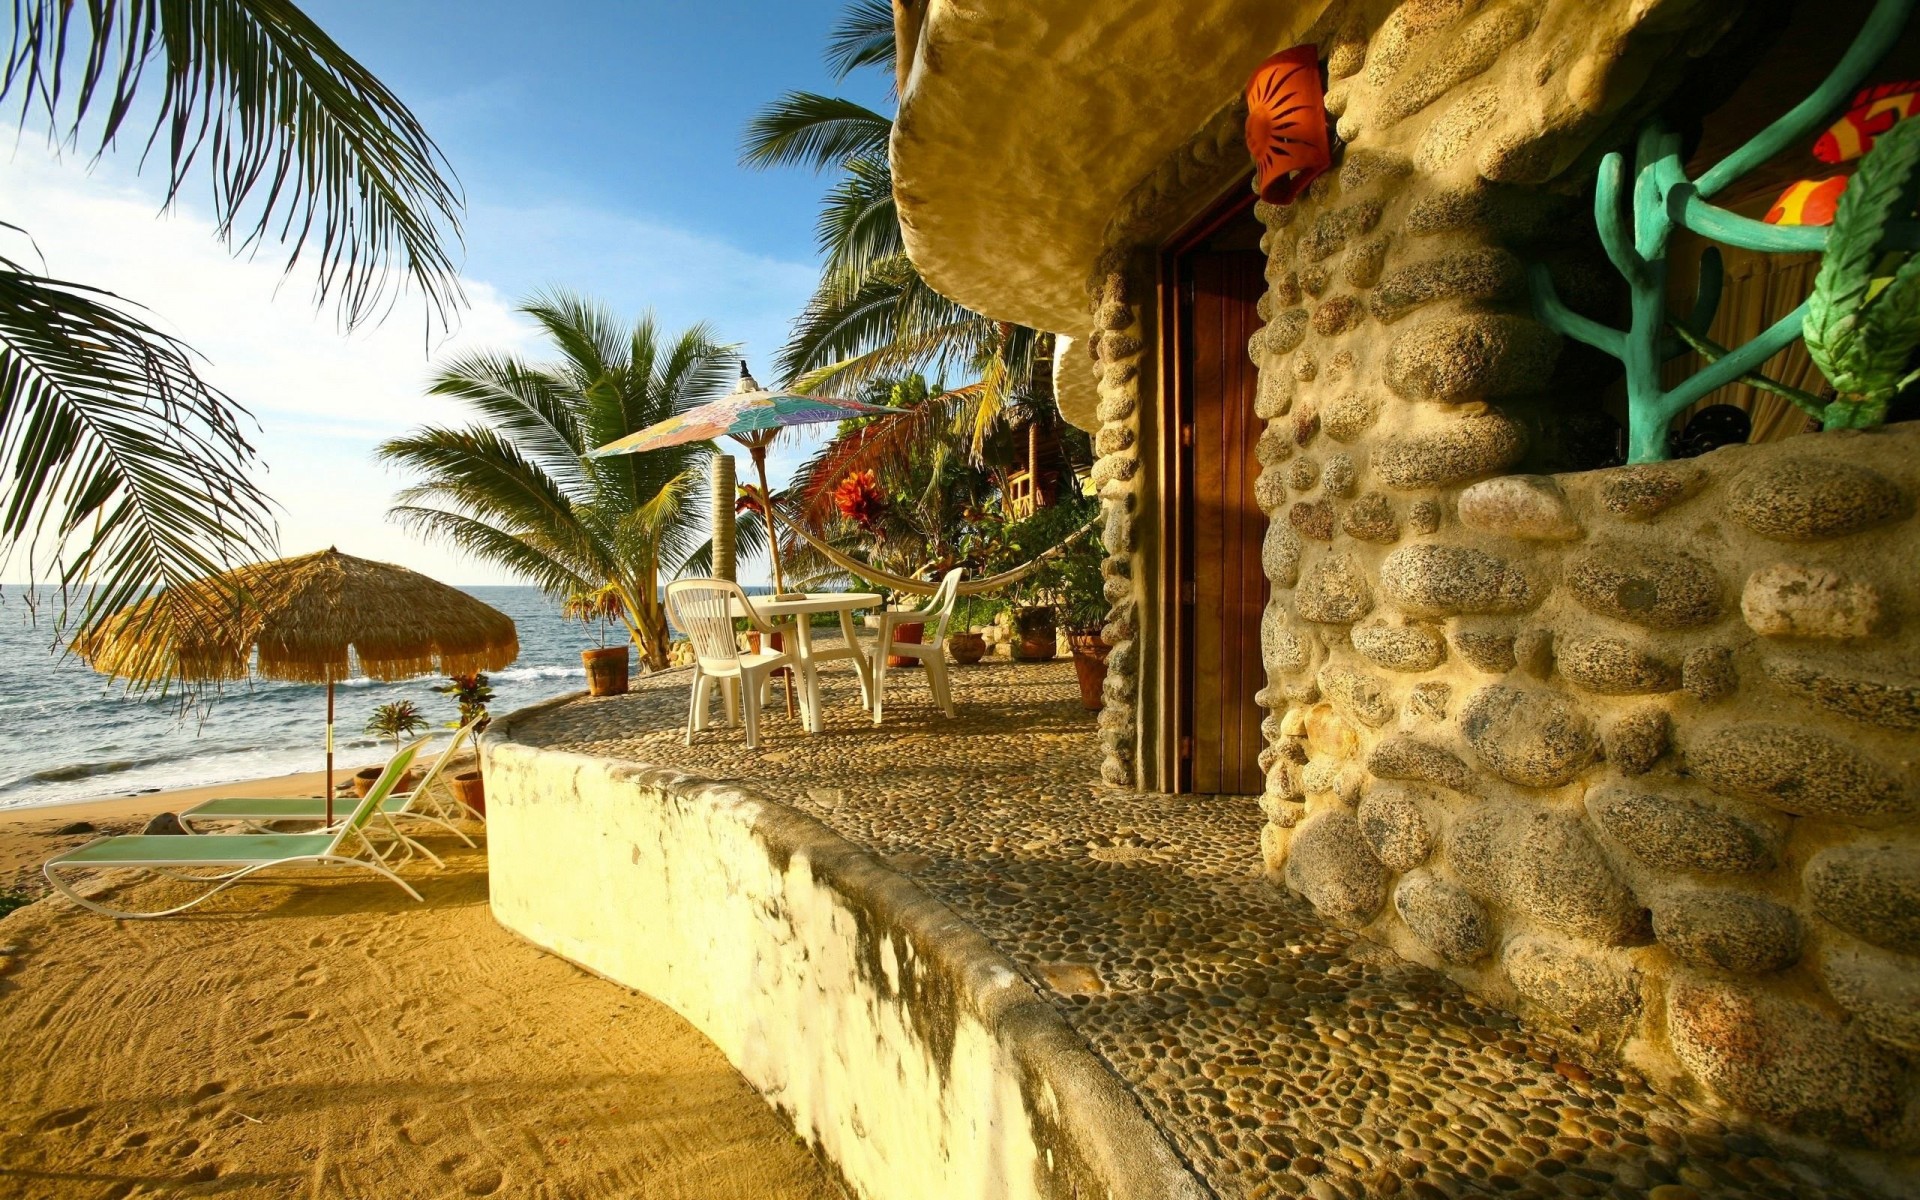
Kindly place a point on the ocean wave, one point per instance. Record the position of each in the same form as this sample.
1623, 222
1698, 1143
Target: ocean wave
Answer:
519, 673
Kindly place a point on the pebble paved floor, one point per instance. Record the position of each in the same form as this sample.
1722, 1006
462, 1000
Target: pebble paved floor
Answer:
1282, 1057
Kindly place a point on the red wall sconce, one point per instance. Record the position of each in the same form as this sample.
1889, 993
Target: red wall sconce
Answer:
1287, 124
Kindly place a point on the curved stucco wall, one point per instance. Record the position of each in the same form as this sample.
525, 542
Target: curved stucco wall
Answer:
906, 1049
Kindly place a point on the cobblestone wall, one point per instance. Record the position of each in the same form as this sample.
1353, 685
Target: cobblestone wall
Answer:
1630, 751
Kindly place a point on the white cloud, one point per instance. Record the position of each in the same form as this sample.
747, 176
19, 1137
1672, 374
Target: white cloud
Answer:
324, 399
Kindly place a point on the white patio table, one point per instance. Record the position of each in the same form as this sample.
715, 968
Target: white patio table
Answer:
795, 614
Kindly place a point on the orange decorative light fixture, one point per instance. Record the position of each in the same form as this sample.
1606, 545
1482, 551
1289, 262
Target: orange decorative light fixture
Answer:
1808, 202
1287, 124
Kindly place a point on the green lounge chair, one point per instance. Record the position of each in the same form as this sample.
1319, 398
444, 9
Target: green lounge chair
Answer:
398, 808
234, 856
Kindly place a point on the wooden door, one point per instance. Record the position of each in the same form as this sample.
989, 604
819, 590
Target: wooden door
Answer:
1222, 587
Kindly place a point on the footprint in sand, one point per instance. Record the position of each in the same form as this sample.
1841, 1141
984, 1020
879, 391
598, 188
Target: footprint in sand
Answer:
65, 1118
309, 975
184, 1147
483, 1182
209, 1090
136, 1139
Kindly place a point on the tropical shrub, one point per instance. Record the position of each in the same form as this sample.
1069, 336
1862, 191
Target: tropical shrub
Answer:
396, 720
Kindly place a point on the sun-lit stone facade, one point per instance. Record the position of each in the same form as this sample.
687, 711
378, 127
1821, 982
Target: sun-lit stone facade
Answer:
1631, 751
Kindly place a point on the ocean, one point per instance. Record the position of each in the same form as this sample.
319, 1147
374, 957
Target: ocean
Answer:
67, 733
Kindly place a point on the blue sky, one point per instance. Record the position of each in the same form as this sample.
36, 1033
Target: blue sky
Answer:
597, 145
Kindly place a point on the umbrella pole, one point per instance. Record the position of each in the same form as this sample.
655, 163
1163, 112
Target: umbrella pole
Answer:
329, 751
759, 451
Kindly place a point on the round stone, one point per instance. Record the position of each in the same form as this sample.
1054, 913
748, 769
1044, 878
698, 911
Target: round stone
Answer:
1489, 651
1727, 930
1871, 890
1350, 415
1674, 833
1532, 738
1645, 585
1395, 827
1444, 917
1408, 758
1314, 520
1329, 864
1881, 990
1784, 1060
1808, 499
1334, 591
1644, 491
1636, 741
1581, 990
1893, 703
1400, 647
1797, 771
1436, 580
1613, 667
1339, 476
1471, 356
1548, 867
1280, 555
1371, 519
1788, 600
1530, 507
1457, 449
1357, 693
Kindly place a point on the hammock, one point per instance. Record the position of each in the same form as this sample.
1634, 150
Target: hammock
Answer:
916, 587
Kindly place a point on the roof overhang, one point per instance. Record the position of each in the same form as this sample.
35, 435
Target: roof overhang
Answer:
1023, 123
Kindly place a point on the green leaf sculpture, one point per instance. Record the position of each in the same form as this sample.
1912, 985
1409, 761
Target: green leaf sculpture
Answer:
1861, 337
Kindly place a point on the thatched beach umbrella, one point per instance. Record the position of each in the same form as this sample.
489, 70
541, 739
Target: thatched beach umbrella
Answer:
306, 620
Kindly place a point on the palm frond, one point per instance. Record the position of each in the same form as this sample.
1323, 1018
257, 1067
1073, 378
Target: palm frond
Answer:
304, 145
806, 129
862, 37
859, 225
116, 458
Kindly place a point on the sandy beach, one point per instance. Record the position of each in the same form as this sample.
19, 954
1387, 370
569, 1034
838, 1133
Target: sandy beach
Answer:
340, 1040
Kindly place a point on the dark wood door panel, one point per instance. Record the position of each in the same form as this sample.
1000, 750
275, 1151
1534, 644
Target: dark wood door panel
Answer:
1224, 527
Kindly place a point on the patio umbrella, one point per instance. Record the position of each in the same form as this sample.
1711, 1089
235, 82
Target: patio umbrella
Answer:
752, 416
306, 619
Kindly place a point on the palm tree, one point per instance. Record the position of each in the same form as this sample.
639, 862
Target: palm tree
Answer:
517, 488
121, 469
873, 317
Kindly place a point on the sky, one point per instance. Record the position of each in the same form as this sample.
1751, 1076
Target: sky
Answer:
597, 145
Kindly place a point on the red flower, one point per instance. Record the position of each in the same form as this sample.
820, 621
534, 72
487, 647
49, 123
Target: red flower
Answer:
860, 499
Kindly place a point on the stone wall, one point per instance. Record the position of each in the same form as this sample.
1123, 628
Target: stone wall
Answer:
900, 1044
1631, 751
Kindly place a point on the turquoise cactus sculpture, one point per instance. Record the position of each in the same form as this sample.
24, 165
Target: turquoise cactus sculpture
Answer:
1636, 219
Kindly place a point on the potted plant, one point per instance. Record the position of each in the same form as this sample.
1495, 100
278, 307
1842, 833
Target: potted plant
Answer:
606, 665
472, 692
966, 646
396, 720
1037, 636
1083, 605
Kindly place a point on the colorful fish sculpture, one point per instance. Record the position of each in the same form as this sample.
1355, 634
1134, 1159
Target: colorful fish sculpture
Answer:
1874, 112
1808, 202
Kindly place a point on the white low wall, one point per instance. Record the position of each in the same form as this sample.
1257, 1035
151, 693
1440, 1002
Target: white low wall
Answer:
897, 1040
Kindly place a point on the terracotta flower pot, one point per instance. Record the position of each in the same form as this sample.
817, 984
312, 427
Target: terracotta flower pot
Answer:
911, 635
606, 670
1036, 637
364, 779
471, 790
1090, 666
966, 647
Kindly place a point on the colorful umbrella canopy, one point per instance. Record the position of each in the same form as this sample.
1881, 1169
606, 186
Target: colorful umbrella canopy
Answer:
306, 619
750, 415
746, 414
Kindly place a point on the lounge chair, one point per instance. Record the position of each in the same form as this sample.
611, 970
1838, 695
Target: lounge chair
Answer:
235, 856
399, 809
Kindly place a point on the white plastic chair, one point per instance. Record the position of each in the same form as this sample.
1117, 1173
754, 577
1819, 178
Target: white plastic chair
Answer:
704, 610
932, 652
